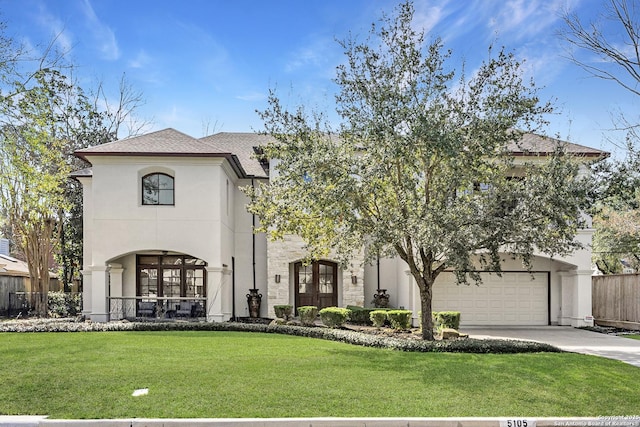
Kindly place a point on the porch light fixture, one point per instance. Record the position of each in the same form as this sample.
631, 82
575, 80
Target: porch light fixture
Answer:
354, 279
277, 278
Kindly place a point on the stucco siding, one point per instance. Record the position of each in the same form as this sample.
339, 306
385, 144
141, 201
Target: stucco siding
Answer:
122, 224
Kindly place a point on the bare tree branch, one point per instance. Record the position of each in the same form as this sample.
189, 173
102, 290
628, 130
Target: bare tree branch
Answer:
623, 53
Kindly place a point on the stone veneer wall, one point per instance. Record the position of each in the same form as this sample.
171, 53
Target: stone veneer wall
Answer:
281, 254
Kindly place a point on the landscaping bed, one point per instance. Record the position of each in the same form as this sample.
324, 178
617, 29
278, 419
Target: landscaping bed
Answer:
611, 330
356, 335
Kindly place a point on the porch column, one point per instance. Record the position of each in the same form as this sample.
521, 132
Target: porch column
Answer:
218, 286
86, 293
582, 304
115, 290
567, 282
100, 292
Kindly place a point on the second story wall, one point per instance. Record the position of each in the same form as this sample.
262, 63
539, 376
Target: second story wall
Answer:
122, 221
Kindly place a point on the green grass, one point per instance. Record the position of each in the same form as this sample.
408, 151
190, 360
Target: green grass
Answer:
633, 337
234, 374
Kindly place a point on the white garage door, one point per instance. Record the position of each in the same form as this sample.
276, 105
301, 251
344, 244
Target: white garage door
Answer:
513, 299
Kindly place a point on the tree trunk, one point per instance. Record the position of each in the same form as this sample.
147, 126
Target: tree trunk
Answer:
42, 300
37, 250
424, 279
425, 285
427, 317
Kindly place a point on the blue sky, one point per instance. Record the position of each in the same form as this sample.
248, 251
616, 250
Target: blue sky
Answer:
211, 63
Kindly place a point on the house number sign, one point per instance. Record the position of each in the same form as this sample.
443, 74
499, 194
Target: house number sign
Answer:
517, 422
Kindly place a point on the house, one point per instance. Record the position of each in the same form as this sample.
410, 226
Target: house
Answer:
165, 225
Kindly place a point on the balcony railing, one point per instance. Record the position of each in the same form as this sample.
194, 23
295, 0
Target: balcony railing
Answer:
187, 308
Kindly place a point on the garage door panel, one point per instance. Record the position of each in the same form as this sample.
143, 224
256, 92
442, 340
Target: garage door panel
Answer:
513, 299
465, 304
510, 304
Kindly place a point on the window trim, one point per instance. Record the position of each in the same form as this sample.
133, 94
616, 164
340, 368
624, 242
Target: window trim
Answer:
160, 266
142, 189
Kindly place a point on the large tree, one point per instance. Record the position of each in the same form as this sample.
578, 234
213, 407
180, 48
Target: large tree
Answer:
616, 214
608, 48
420, 167
89, 119
32, 173
45, 115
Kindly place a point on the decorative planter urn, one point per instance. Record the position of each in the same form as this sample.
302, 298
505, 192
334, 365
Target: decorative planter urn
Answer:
381, 299
254, 298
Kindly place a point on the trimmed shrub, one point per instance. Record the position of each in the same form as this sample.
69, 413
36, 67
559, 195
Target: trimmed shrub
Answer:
360, 315
334, 317
283, 311
62, 304
447, 319
400, 319
308, 314
378, 317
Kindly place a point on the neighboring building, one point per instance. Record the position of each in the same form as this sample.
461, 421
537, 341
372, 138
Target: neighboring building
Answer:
165, 222
14, 279
4, 247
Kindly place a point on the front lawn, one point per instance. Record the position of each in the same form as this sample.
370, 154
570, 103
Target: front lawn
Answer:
235, 374
632, 336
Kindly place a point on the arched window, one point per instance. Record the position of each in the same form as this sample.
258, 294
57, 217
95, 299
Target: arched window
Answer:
157, 189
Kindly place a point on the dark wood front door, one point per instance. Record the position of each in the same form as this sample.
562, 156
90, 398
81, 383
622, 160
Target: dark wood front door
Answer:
316, 284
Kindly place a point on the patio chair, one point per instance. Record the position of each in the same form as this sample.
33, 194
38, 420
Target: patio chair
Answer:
198, 310
146, 309
185, 309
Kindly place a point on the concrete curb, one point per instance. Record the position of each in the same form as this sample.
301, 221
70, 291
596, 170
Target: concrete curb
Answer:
42, 421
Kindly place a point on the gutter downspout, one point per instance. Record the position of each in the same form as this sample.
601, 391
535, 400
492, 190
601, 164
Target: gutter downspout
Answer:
233, 288
378, 266
253, 242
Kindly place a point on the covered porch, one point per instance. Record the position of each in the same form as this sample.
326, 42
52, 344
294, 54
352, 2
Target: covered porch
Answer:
155, 284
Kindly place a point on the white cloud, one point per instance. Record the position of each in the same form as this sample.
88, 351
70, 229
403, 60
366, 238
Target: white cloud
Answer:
103, 35
427, 16
252, 96
317, 53
141, 60
526, 18
61, 36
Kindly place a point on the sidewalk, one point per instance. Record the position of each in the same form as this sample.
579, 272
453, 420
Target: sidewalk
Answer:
34, 421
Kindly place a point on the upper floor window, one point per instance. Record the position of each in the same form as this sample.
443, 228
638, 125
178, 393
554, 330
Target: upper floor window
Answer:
157, 189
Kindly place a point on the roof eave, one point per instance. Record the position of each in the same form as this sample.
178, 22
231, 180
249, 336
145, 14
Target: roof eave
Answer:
231, 158
595, 156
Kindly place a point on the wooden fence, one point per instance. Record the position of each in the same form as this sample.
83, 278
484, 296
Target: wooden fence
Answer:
616, 300
9, 285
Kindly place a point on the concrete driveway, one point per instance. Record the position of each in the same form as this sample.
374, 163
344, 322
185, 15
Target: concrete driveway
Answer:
568, 339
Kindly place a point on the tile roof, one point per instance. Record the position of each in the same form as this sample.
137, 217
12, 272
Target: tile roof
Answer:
532, 144
10, 266
244, 146
240, 148
167, 141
